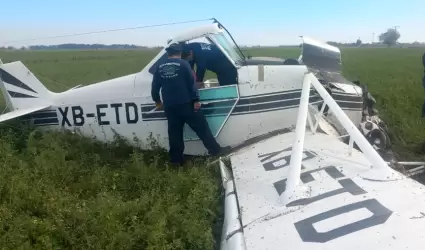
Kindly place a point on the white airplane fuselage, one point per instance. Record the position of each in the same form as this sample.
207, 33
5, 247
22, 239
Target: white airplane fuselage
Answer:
257, 105
265, 100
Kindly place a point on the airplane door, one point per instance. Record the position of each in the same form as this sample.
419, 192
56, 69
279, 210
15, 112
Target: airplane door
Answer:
217, 105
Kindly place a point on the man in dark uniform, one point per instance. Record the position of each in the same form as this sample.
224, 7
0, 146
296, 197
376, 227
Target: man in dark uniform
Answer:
181, 103
423, 85
209, 57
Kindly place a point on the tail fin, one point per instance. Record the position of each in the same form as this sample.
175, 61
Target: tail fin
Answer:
21, 89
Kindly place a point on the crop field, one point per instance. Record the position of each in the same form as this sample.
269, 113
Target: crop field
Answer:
61, 191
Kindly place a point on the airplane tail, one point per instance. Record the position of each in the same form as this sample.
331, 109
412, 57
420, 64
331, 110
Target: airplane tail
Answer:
21, 89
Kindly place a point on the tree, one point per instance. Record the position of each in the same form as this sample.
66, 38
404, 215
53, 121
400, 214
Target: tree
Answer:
389, 37
358, 42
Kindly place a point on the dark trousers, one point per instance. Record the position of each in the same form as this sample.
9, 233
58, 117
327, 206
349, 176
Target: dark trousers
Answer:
177, 116
227, 75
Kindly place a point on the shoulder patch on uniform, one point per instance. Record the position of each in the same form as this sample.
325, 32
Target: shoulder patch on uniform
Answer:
205, 46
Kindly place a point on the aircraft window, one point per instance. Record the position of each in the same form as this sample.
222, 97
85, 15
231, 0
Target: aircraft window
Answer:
155, 65
229, 47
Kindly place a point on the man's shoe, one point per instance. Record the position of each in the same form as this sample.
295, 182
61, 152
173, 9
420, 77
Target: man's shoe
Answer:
223, 151
177, 164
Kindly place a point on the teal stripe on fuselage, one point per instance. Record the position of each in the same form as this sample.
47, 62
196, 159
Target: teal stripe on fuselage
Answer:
225, 92
214, 122
218, 115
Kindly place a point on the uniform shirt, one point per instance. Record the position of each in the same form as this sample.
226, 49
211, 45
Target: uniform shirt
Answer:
175, 77
207, 57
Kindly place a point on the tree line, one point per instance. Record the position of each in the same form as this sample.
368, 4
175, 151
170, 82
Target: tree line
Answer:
77, 46
388, 38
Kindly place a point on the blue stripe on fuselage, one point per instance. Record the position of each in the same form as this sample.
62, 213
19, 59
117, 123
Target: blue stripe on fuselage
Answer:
261, 103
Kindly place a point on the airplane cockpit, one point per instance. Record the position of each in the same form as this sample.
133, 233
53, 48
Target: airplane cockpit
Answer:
213, 34
210, 77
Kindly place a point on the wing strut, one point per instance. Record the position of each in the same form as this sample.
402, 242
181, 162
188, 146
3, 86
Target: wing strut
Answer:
298, 146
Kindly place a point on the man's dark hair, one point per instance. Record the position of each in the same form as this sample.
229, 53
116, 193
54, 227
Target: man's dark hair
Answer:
174, 49
185, 54
173, 52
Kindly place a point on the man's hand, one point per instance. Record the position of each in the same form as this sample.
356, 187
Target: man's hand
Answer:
196, 106
200, 85
158, 105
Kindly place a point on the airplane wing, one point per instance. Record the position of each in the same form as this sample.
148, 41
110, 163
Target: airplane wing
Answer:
21, 112
341, 201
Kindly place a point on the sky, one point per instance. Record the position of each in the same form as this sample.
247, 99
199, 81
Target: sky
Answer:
264, 22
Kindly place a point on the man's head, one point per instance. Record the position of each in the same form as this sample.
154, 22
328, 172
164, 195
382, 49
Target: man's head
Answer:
174, 50
187, 53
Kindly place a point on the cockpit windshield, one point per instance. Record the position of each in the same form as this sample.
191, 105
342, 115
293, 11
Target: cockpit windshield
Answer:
231, 48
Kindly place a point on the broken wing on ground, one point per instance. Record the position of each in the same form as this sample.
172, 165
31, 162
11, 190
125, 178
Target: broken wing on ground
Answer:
342, 201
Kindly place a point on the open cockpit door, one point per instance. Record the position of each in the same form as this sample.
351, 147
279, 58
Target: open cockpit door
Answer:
217, 105
227, 45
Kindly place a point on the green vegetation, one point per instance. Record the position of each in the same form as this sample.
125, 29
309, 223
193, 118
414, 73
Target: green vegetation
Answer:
62, 191
394, 77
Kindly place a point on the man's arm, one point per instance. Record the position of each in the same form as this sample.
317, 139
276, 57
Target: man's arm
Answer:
190, 81
192, 64
156, 86
201, 68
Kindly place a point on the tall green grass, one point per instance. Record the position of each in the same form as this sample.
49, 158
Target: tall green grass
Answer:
63, 191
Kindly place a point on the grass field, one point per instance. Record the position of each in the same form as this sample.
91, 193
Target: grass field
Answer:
59, 191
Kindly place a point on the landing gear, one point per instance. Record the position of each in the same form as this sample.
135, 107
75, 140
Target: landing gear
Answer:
372, 127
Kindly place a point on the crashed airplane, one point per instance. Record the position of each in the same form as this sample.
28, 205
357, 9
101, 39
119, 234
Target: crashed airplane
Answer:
265, 100
305, 172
